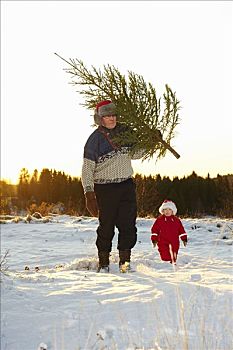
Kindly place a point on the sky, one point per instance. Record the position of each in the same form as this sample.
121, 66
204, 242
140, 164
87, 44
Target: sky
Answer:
67, 305
185, 44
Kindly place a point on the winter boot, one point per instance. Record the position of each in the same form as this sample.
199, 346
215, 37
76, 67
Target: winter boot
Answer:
103, 261
124, 263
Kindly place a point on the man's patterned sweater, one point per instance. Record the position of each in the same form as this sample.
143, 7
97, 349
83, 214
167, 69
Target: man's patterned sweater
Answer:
103, 161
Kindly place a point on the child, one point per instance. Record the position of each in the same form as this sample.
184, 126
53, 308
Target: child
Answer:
166, 231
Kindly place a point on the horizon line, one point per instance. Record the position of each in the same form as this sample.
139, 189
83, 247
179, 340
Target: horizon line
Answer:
11, 182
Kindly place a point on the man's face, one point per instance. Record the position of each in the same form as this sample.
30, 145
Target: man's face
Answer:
108, 121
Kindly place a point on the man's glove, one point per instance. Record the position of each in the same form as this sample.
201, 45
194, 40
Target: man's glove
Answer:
91, 203
184, 243
154, 243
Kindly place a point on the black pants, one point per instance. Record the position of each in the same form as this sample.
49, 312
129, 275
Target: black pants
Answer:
117, 208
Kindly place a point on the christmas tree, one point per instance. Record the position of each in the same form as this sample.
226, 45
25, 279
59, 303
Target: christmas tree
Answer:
136, 103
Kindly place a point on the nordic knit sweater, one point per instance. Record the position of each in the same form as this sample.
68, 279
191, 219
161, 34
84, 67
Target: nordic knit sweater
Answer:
104, 162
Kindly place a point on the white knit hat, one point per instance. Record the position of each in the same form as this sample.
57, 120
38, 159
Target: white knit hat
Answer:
167, 204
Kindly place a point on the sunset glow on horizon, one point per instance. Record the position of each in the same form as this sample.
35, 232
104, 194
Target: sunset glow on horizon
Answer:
44, 124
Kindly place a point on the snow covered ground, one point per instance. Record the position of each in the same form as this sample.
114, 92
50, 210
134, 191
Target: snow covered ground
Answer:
66, 305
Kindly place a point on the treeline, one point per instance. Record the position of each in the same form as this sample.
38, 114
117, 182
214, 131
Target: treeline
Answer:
51, 189
194, 195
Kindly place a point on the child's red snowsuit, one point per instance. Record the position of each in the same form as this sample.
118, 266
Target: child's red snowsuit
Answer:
166, 231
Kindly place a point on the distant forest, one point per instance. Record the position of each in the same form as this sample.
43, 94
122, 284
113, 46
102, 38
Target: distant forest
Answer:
52, 191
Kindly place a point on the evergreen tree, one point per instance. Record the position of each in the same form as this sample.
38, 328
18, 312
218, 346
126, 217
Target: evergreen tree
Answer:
224, 186
45, 181
60, 187
136, 103
34, 186
177, 195
78, 196
23, 190
140, 189
151, 196
163, 186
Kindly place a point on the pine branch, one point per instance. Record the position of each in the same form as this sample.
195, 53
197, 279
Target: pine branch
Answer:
136, 103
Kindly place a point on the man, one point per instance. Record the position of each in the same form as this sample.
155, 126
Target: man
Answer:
109, 188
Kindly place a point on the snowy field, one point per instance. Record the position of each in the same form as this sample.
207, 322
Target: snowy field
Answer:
66, 305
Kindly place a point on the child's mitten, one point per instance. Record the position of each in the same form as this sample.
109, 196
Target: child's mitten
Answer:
154, 243
185, 243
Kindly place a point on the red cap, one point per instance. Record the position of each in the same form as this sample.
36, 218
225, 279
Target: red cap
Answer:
102, 103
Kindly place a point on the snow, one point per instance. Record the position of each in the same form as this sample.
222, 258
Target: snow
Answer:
66, 305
